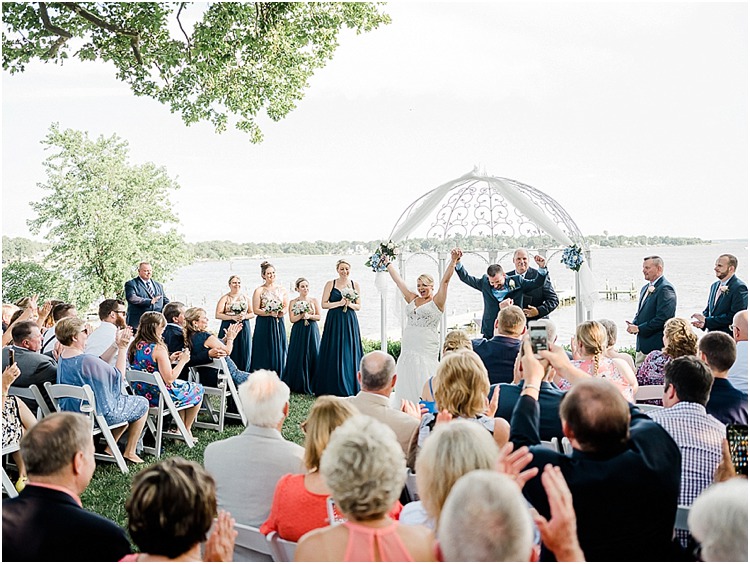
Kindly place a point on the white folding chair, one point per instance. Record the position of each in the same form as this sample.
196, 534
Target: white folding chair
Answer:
567, 448
98, 424
411, 485
252, 540
650, 392
646, 407
681, 517
281, 550
224, 389
551, 444
156, 415
8, 486
32, 393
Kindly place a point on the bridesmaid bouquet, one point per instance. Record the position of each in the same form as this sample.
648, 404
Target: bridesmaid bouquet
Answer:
301, 307
349, 294
238, 307
379, 260
273, 306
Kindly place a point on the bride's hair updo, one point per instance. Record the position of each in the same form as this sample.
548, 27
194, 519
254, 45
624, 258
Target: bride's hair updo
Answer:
265, 265
300, 281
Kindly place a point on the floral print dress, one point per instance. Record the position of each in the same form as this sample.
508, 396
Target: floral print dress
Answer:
182, 393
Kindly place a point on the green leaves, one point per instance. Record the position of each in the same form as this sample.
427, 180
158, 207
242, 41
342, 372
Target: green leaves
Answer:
103, 215
238, 59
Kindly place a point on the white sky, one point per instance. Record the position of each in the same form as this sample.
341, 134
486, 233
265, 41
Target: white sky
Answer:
633, 116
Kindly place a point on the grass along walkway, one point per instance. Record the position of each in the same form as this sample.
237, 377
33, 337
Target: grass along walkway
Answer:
109, 488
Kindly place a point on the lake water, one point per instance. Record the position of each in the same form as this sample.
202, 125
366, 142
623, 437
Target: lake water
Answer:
689, 269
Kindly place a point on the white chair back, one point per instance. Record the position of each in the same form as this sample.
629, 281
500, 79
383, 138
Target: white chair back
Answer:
252, 544
281, 550
650, 392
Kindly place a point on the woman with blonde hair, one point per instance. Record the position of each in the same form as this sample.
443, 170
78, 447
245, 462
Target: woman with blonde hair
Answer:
588, 347
462, 391
679, 340
454, 341
449, 452
304, 340
300, 500
270, 304
364, 468
236, 307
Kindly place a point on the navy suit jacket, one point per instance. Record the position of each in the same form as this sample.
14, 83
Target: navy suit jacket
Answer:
550, 397
498, 355
654, 311
174, 338
45, 525
544, 298
516, 286
638, 483
727, 403
719, 315
139, 300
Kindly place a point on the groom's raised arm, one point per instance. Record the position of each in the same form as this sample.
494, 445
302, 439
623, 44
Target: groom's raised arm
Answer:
467, 278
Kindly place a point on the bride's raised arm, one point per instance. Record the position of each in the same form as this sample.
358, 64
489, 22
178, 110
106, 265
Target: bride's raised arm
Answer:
442, 294
408, 294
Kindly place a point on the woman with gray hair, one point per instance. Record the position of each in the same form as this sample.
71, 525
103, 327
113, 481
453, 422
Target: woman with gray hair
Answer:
718, 522
365, 470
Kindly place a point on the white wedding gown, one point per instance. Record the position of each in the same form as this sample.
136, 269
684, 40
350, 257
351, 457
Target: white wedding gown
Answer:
420, 345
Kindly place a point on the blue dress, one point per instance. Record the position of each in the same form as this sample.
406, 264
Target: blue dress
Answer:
106, 382
269, 341
304, 343
242, 344
340, 352
181, 392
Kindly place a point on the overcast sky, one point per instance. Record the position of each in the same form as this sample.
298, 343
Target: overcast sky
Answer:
633, 116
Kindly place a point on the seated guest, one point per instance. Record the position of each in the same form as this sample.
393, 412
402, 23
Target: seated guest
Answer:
365, 470
486, 519
718, 522
619, 455
610, 352
377, 378
726, 403
60, 311
17, 419
174, 334
449, 452
101, 342
170, 511
147, 352
36, 368
299, 502
46, 522
259, 451
738, 373
588, 355
454, 341
462, 393
499, 353
203, 345
550, 395
78, 368
679, 340
700, 436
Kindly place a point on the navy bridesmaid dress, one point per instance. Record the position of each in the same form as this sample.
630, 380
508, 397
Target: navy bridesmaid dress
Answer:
302, 359
340, 352
242, 344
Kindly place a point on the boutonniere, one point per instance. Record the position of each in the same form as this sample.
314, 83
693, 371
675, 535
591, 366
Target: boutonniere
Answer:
651, 289
723, 289
512, 284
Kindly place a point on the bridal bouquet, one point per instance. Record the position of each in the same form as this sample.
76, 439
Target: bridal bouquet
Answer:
572, 257
301, 307
349, 294
238, 307
379, 260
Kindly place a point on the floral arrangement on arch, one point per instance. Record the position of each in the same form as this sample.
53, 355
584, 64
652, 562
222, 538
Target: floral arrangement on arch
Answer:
572, 257
384, 254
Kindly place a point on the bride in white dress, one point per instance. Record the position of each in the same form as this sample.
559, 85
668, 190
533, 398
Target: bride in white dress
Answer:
420, 342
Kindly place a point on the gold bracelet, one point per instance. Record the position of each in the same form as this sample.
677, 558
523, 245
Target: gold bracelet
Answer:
531, 387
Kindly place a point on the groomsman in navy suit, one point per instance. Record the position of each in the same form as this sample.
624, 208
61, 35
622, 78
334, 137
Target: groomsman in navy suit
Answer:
143, 294
728, 295
657, 304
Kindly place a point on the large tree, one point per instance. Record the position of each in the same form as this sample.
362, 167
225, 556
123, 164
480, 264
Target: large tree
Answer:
103, 215
238, 58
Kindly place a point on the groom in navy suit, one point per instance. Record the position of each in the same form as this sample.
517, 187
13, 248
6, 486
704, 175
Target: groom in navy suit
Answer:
728, 295
496, 287
656, 305
143, 294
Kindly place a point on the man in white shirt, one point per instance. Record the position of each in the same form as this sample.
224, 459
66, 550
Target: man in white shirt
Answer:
101, 342
738, 373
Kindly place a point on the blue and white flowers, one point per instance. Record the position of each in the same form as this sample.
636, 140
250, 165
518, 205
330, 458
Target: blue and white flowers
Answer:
572, 257
379, 260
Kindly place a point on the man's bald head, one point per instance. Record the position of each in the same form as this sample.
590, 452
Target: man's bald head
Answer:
377, 370
739, 326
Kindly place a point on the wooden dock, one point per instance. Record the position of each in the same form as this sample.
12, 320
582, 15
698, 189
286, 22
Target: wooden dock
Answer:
612, 293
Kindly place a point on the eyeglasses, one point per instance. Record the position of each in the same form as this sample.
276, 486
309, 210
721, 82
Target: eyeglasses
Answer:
732, 327
122, 311
85, 330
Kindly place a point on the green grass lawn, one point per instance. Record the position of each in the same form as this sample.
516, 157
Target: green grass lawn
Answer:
109, 488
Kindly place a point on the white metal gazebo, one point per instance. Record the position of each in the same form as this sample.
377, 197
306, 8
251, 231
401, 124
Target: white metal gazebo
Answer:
499, 208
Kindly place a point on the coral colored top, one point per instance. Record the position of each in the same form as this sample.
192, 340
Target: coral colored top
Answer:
296, 511
363, 542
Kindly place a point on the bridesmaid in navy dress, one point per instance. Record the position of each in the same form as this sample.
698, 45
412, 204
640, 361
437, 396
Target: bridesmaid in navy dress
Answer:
341, 345
270, 303
236, 307
304, 340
